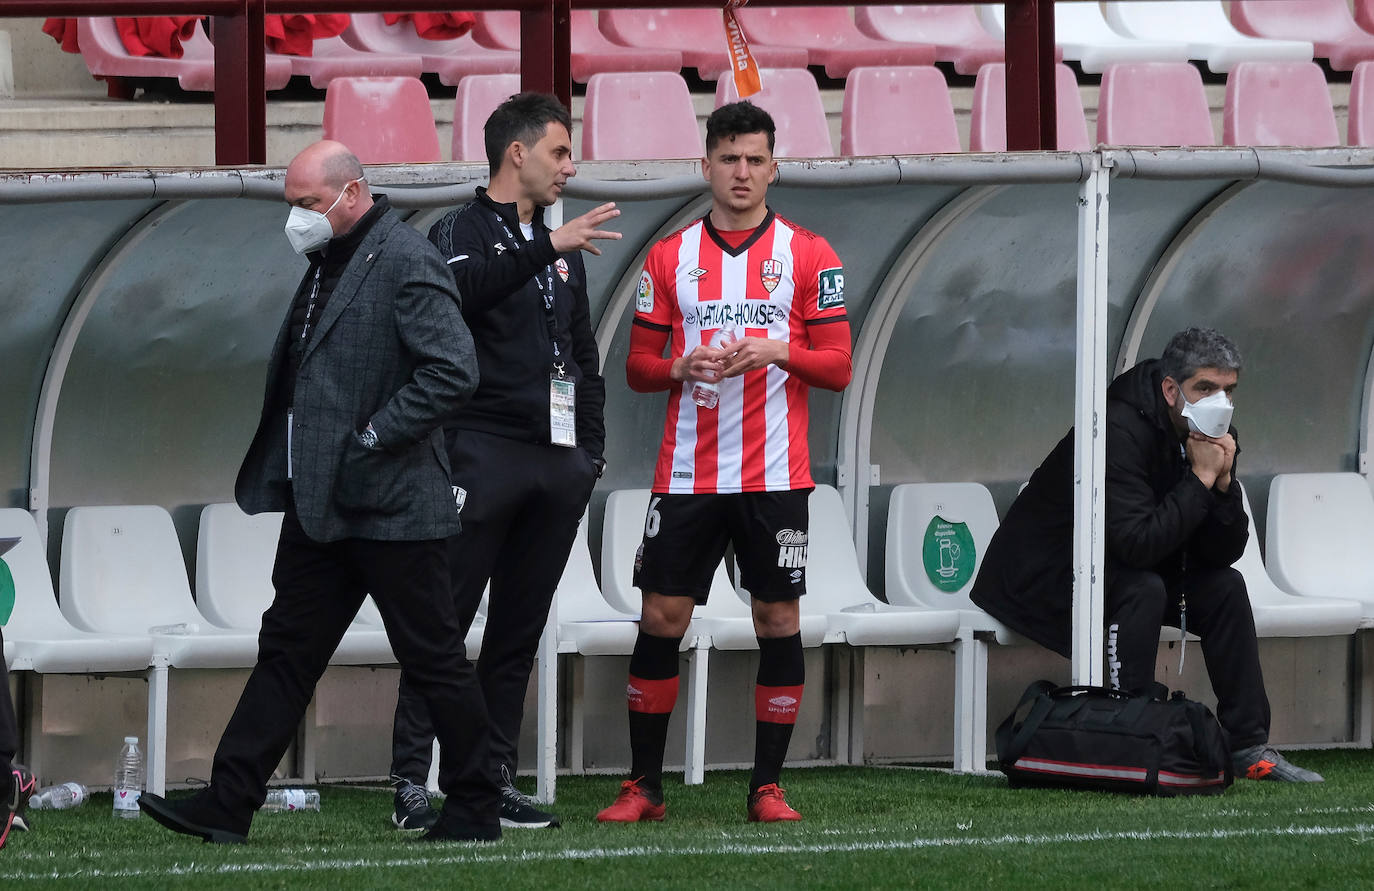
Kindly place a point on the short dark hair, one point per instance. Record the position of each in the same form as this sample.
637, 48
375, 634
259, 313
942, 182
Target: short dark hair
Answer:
736, 119
1195, 348
522, 118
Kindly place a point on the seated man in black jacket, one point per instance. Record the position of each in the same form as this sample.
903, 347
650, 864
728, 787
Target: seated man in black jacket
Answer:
1174, 527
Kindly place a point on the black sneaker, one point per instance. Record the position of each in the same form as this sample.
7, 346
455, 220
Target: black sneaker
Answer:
518, 810
413, 812
22, 785
1263, 762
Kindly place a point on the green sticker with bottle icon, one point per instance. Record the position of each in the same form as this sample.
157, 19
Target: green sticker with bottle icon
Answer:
6, 593
948, 554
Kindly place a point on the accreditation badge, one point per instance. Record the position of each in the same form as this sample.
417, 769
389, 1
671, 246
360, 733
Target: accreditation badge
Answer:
562, 410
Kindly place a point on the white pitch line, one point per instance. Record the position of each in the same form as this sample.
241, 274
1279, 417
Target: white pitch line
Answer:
490, 854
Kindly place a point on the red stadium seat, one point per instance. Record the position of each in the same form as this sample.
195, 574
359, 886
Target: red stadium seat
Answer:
106, 56
830, 37
791, 96
698, 34
477, 98
1327, 23
383, 120
592, 52
1153, 103
897, 111
954, 31
452, 59
639, 115
334, 58
1362, 105
1278, 103
988, 130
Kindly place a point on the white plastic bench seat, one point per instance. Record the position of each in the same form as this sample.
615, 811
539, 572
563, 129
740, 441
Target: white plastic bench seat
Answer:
1204, 27
1086, 38
1320, 537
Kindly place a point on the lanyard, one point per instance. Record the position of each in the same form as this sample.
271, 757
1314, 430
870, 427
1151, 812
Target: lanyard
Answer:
310, 305
543, 280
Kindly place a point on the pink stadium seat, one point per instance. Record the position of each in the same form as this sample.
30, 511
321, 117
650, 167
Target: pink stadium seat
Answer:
1153, 103
105, 56
1364, 14
699, 34
592, 52
334, 58
1278, 103
791, 96
830, 37
954, 31
384, 120
897, 111
477, 98
1362, 105
639, 115
988, 130
1326, 23
452, 60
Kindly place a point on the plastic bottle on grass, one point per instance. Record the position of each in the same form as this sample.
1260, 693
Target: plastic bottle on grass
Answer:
128, 779
704, 393
59, 798
291, 800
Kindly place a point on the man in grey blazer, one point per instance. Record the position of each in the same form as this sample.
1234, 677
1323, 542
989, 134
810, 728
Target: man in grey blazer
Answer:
372, 359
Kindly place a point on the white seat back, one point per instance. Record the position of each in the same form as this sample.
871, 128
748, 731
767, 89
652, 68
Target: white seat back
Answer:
122, 570
35, 614
834, 580
937, 534
578, 596
627, 511
1320, 535
234, 557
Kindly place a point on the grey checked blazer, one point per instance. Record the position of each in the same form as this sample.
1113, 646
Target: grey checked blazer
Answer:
390, 349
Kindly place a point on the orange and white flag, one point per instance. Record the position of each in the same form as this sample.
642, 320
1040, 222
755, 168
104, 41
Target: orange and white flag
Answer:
742, 64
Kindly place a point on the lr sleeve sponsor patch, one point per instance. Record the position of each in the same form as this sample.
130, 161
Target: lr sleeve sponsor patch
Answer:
644, 300
829, 289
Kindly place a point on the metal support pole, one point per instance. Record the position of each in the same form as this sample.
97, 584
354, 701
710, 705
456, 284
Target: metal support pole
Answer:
1031, 107
546, 50
240, 87
1090, 420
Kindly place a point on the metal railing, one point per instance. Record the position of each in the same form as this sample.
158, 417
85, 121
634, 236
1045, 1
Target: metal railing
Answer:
545, 53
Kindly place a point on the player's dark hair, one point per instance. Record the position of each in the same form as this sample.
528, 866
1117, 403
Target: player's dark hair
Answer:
522, 118
737, 119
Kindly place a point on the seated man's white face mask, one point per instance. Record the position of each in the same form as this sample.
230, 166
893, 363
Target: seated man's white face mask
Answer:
1210, 416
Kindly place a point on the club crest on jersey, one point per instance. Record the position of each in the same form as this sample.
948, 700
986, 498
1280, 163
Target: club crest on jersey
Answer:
644, 300
562, 267
830, 289
770, 273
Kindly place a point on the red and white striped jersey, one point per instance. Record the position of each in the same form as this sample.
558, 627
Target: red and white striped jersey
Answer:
779, 281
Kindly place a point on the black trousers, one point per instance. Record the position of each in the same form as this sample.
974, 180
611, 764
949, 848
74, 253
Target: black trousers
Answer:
9, 725
520, 518
1138, 602
319, 587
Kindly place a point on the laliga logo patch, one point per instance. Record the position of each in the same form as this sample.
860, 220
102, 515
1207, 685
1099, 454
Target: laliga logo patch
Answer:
562, 267
644, 300
770, 273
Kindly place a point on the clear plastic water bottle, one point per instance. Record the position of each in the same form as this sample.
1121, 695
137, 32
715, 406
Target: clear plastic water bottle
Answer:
704, 393
279, 800
128, 779
59, 798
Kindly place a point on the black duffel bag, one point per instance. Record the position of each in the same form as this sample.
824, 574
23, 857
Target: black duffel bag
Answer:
1097, 738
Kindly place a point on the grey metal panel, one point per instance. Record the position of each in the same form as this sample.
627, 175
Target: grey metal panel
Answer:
46, 251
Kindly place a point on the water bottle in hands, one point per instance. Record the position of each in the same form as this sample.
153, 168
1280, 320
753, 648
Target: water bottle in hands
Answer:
59, 798
128, 779
704, 393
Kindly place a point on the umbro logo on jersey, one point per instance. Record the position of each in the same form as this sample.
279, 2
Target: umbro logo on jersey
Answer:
562, 267
697, 273
499, 248
796, 576
770, 273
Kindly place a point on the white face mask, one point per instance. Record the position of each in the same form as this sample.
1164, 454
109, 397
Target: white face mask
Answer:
309, 230
1210, 416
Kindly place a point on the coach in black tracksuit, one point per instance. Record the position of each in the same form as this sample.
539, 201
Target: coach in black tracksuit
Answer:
1175, 525
526, 469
